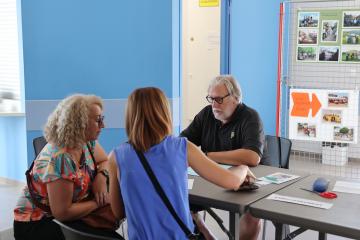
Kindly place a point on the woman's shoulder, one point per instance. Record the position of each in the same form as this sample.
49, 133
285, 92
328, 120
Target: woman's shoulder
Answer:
175, 141
122, 147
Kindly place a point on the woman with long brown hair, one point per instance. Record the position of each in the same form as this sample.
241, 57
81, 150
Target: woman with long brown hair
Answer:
149, 128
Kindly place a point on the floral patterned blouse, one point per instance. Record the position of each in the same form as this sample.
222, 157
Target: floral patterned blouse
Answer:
52, 164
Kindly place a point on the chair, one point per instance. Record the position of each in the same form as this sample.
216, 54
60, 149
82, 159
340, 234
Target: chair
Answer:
276, 154
70, 232
39, 143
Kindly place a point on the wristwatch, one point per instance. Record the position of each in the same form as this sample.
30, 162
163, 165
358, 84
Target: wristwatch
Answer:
105, 172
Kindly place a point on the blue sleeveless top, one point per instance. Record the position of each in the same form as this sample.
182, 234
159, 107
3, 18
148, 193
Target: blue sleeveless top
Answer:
147, 216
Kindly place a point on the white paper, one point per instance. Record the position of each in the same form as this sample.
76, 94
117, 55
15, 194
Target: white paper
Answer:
262, 183
301, 201
347, 187
190, 183
193, 173
278, 177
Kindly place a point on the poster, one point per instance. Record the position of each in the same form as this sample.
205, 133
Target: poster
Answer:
324, 115
330, 36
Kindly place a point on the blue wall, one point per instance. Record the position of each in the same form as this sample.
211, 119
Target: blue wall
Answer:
12, 142
253, 55
107, 48
110, 47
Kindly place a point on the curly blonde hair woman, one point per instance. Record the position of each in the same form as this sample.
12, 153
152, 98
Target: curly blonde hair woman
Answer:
66, 126
64, 173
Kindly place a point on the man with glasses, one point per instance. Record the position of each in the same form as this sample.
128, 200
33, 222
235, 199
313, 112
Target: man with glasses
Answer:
229, 132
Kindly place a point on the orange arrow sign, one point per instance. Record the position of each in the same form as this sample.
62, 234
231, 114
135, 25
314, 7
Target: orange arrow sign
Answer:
302, 104
315, 105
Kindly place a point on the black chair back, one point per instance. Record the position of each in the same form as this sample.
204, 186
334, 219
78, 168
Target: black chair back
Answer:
39, 143
72, 233
276, 152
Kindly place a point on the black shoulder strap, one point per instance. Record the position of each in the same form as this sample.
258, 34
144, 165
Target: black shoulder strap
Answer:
162, 195
38, 204
92, 156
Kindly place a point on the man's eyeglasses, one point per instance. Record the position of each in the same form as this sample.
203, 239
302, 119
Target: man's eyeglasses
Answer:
100, 120
219, 100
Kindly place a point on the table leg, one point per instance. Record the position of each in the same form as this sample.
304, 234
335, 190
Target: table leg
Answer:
281, 230
322, 236
234, 224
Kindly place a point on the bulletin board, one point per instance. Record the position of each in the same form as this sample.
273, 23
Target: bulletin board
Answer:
328, 36
324, 115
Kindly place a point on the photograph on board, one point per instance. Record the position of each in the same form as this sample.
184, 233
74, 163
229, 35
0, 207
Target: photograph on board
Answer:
331, 116
306, 54
308, 19
308, 36
338, 99
350, 53
343, 133
351, 19
351, 36
329, 53
329, 31
306, 130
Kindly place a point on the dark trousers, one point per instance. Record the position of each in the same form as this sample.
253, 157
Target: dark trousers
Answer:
40, 230
45, 229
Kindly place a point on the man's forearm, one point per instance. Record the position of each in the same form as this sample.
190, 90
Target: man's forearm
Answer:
236, 157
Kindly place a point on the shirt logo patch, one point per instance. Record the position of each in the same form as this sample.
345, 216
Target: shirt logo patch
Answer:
232, 135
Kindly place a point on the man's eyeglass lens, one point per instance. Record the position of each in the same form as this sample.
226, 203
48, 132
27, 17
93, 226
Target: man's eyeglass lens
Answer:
219, 100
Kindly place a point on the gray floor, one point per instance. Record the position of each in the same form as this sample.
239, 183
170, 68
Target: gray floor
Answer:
9, 191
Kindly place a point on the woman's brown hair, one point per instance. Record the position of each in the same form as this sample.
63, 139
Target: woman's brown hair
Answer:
148, 118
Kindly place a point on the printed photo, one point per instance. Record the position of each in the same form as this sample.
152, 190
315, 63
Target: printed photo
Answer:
330, 53
306, 130
329, 31
307, 54
351, 36
351, 19
308, 36
343, 133
308, 19
331, 116
337, 99
350, 53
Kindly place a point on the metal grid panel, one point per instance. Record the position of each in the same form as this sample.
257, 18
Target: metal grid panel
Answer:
308, 155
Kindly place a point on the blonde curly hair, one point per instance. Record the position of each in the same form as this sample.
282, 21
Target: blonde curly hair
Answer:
66, 125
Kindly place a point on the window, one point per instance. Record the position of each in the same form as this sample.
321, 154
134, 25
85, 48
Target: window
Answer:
10, 77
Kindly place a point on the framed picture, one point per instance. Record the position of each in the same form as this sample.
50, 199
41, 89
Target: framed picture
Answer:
331, 116
329, 53
306, 54
329, 31
338, 99
308, 36
351, 19
308, 19
350, 53
351, 36
343, 133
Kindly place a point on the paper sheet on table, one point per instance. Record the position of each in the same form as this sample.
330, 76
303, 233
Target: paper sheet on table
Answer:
301, 201
347, 187
193, 173
190, 183
279, 177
